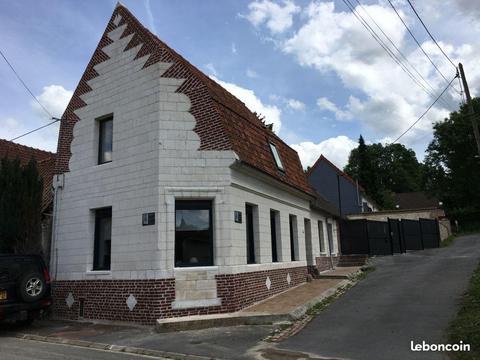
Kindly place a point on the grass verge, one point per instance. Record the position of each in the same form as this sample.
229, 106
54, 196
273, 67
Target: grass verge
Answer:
449, 240
466, 326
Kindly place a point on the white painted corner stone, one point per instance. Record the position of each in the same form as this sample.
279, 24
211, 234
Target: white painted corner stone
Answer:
131, 302
69, 300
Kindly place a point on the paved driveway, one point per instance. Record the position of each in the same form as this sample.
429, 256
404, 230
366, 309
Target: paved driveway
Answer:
409, 297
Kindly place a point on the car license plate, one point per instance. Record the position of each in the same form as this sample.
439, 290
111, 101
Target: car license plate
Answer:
3, 295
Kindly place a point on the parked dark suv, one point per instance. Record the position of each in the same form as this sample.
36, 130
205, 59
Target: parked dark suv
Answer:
24, 287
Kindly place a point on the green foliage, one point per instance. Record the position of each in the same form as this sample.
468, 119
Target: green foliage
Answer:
466, 324
383, 170
20, 207
452, 170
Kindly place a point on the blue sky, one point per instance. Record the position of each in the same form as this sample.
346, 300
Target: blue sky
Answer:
308, 66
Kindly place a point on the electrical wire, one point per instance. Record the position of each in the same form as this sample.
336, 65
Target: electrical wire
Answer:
433, 91
25, 85
39, 128
418, 43
425, 112
377, 38
429, 33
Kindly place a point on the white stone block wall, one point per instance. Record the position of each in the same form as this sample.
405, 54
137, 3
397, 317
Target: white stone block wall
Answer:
155, 161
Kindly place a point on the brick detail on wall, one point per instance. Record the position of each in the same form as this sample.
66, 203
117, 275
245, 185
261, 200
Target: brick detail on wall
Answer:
324, 263
106, 299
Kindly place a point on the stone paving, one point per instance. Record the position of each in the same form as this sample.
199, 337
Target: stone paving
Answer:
286, 302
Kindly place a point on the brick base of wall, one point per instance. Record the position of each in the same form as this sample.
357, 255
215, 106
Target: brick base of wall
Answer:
107, 299
324, 263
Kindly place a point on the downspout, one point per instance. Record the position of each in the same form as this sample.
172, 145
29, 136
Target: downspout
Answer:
53, 248
328, 242
359, 203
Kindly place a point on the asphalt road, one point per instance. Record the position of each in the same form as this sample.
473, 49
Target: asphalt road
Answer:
17, 349
408, 298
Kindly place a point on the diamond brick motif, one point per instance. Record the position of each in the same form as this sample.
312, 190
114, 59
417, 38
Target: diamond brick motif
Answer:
117, 19
289, 279
131, 302
268, 283
69, 300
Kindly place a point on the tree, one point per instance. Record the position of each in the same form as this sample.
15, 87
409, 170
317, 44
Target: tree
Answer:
20, 207
452, 165
384, 170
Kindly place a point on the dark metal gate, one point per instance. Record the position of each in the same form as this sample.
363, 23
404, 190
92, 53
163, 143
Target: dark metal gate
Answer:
379, 238
396, 235
386, 238
353, 237
412, 234
430, 233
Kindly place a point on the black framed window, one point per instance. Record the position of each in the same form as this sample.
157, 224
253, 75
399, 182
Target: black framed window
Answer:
273, 231
321, 236
293, 236
103, 239
250, 226
105, 140
193, 233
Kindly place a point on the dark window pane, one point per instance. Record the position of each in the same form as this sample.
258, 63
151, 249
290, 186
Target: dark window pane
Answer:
103, 242
105, 141
293, 221
273, 231
250, 234
193, 233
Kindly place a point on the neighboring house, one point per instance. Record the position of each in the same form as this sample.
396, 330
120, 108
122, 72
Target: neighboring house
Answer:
172, 198
413, 206
338, 188
45, 164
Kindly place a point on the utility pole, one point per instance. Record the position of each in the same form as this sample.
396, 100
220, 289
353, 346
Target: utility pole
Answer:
471, 111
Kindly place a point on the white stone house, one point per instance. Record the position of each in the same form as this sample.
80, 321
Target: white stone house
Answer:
171, 197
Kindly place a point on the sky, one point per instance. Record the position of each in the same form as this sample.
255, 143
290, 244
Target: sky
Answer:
309, 67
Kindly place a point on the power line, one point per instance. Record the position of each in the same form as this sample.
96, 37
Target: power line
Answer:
25, 85
418, 43
433, 91
431, 36
425, 112
41, 127
385, 47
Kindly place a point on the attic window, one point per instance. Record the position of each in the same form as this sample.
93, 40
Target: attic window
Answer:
276, 156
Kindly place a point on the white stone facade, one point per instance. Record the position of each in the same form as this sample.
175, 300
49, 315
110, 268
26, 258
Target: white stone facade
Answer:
156, 161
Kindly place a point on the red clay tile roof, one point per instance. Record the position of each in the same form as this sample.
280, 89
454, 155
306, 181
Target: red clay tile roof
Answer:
223, 122
45, 163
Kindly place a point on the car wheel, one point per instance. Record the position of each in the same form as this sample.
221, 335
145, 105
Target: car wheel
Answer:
32, 287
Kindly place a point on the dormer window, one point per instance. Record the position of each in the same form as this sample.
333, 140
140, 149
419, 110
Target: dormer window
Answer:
276, 156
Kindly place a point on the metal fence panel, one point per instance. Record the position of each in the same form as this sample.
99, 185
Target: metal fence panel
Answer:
379, 238
412, 234
430, 233
353, 237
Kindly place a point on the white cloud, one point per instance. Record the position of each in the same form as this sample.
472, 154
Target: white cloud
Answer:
234, 49
277, 18
54, 98
271, 113
295, 104
336, 149
211, 69
324, 104
251, 73
332, 40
